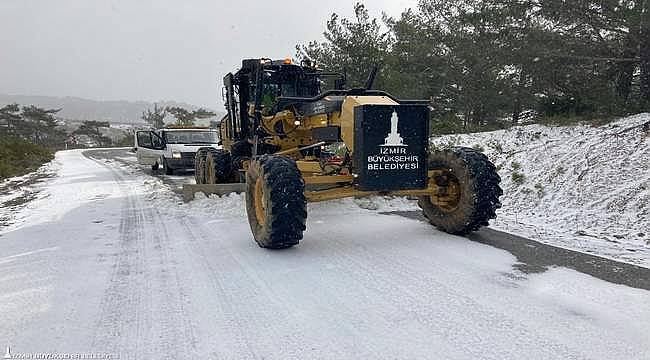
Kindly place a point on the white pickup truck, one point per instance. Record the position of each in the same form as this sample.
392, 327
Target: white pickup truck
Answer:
173, 148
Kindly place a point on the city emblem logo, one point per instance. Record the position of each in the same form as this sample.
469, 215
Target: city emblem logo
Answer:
393, 138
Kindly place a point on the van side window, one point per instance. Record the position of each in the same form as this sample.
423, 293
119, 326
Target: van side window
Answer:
144, 139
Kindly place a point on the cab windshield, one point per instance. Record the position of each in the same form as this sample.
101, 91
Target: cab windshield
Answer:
191, 137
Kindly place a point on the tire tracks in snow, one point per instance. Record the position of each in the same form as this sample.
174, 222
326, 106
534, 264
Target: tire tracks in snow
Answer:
143, 312
225, 298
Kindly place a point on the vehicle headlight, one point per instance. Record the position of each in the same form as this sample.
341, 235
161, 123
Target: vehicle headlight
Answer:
176, 155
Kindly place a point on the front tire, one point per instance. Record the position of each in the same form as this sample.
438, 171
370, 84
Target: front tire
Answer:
275, 201
469, 191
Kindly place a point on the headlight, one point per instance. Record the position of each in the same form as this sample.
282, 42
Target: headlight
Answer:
176, 155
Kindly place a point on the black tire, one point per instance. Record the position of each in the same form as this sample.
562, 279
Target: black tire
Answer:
168, 170
199, 165
155, 167
477, 180
218, 166
275, 183
241, 151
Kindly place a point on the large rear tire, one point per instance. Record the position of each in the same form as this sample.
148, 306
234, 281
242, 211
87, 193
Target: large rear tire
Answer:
218, 167
199, 165
469, 183
275, 201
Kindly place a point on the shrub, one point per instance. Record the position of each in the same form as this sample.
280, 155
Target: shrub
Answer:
518, 178
446, 124
565, 105
18, 157
496, 146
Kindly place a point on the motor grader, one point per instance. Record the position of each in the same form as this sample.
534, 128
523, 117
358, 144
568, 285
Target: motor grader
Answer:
292, 142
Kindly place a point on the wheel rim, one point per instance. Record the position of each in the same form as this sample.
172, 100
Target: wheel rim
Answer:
449, 193
260, 210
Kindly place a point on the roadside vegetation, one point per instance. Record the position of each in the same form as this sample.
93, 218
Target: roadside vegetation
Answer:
493, 64
18, 157
28, 137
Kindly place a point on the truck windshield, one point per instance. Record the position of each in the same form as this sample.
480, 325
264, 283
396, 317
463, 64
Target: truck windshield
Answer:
191, 137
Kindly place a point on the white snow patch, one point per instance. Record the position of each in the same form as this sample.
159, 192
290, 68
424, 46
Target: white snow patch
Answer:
75, 184
25, 186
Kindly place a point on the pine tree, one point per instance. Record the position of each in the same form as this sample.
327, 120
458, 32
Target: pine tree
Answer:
644, 45
186, 117
352, 47
92, 129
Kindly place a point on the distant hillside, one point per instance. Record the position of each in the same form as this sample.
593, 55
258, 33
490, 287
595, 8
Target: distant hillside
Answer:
83, 109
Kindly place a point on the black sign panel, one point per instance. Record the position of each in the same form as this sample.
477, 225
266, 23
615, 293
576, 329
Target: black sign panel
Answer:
390, 146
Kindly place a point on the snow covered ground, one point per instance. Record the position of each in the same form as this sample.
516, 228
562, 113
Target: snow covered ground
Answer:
581, 187
110, 261
17, 192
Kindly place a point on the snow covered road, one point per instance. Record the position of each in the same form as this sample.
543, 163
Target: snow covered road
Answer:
110, 261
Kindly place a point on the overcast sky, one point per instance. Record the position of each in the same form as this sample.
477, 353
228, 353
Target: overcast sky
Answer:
152, 49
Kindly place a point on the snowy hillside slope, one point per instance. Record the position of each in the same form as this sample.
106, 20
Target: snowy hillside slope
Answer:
582, 187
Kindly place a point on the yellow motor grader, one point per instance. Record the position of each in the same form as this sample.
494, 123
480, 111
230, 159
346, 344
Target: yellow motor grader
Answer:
292, 142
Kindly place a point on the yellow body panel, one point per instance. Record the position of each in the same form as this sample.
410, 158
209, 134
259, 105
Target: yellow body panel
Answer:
308, 166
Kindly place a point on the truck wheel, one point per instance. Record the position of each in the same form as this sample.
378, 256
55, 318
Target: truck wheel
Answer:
241, 151
199, 165
218, 166
168, 170
469, 191
275, 201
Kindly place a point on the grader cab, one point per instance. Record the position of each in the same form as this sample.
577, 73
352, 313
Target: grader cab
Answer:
292, 142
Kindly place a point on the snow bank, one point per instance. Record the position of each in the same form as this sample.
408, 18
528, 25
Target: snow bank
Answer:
581, 187
75, 184
16, 190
